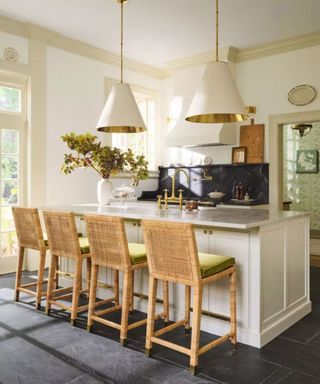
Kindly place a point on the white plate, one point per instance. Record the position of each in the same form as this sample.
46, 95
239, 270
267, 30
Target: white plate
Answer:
207, 160
302, 95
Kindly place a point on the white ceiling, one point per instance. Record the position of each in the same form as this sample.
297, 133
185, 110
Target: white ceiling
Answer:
160, 31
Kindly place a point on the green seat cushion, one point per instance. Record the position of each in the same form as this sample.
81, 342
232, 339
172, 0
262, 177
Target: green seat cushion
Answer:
45, 238
84, 245
211, 264
137, 253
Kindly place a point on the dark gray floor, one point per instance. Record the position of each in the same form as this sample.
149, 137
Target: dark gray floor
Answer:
35, 348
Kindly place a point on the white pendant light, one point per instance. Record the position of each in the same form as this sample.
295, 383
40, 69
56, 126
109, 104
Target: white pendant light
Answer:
217, 99
121, 113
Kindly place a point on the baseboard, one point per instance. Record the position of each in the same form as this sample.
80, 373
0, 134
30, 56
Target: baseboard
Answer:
280, 326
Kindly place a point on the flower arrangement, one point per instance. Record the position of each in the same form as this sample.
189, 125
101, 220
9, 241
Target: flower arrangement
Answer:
87, 152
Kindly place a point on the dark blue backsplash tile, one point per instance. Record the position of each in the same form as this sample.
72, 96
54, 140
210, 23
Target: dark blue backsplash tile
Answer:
224, 178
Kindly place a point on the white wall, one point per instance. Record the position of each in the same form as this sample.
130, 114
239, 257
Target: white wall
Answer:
266, 82
18, 43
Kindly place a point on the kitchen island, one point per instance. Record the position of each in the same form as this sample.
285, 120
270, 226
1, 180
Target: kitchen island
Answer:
271, 249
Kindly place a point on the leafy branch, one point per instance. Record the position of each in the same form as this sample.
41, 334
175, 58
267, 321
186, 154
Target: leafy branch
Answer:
87, 152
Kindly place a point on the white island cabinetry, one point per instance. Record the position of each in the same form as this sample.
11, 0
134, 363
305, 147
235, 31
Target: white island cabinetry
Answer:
272, 255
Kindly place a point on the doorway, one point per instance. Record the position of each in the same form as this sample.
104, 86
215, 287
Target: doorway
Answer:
11, 169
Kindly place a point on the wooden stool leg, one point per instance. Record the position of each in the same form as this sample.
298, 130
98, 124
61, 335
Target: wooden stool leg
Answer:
195, 337
77, 284
127, 287
187, 308
131, 292
42, 262
92, 296
57, 274
166, 300
88, 274
51, 280
151, 313
19, 273
116, 286
233, 307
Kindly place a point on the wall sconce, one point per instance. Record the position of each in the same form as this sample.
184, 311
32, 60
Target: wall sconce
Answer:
301, 129
251, 110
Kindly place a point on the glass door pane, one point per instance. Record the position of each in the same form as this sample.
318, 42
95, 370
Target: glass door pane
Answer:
10, 187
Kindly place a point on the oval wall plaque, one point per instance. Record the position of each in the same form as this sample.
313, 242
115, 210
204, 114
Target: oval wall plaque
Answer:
302, 95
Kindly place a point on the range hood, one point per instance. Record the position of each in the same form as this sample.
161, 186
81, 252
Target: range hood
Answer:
185, 134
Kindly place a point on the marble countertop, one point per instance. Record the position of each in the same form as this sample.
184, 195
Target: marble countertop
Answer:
236, 218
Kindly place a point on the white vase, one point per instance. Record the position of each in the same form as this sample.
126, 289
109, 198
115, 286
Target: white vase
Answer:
104, 191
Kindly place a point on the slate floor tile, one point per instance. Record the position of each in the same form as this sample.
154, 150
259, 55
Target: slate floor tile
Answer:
296, 356
235, 367
304, 331
58, 334
3, 332
20, 317
27, 364
285, 376
184, 377
120, 365
86, 379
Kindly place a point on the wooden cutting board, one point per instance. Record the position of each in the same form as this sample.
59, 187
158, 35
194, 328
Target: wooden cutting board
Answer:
252, 137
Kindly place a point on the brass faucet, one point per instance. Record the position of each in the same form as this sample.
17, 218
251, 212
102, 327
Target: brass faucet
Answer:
174, 183
173, 197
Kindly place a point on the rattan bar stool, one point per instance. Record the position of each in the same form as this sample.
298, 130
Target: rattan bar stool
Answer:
173, 256
29, 233
109, 248
65, 242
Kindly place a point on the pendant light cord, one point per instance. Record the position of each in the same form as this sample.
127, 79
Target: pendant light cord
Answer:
217, 30
121, 44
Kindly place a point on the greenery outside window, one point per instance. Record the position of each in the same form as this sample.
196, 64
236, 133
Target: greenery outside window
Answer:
11, 122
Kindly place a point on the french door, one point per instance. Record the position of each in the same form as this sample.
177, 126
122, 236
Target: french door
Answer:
11, 171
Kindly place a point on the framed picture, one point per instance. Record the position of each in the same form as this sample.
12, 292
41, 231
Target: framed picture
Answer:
238, 155
307, 161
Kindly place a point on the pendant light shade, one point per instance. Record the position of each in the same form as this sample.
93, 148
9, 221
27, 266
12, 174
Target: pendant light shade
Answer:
217, 99
121, 113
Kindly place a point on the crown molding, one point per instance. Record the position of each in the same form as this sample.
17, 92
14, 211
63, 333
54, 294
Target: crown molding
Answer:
43, 35
54, 39
280, 46
94, 53
12, 26
225, 54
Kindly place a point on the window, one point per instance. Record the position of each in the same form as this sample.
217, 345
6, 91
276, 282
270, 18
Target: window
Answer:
141, 143
10, 191
11, 123
10, 99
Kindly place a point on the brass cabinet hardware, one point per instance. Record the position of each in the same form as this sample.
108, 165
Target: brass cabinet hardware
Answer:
210, 232
205, 231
